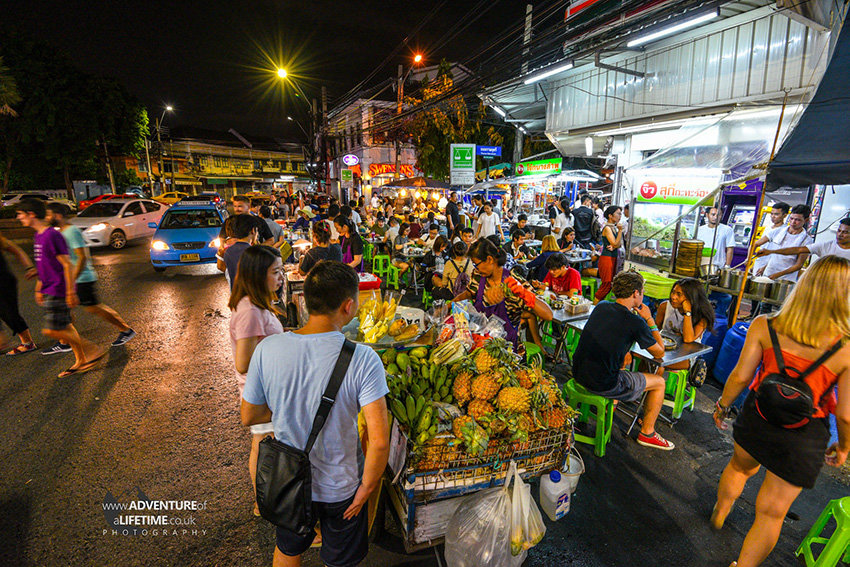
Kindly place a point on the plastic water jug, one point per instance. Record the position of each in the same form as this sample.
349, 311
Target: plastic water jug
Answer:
727, 358
555, 495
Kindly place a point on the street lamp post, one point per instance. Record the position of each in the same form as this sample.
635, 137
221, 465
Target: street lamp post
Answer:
401, 80
168, 108
284, 75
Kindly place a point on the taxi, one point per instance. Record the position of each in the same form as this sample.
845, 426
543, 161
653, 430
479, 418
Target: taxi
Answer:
187, 235
170, 197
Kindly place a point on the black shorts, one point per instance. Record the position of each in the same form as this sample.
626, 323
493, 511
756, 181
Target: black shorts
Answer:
344, 542
87, 294
57, 316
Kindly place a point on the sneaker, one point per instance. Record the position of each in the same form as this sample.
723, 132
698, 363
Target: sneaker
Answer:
655, 441
56, 348
124, 337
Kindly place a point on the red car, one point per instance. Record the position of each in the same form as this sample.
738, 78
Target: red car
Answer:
87, 202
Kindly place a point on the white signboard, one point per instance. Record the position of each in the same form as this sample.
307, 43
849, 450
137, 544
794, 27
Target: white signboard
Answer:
462, 164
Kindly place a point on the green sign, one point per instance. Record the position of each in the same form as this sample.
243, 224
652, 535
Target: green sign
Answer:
539, 167
217, 181
347, 175
462, 164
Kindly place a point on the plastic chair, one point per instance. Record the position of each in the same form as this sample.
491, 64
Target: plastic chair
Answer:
684, 395
381, 264
571, 342
591, 284
584, 402
426, 299
547, 334
533, 354
367, 253
836, 547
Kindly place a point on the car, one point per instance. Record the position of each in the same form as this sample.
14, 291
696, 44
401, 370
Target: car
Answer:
12, 199
214, 198
258, 195
186, 235
170, 197
85, 204
135, 190
116, 221
67, 202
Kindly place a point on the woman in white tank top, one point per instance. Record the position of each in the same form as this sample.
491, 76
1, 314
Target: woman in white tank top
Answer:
687, 314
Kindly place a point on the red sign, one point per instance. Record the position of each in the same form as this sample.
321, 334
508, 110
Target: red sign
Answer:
376, 169
648, 190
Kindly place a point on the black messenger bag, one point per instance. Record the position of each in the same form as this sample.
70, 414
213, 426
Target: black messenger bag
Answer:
284, 477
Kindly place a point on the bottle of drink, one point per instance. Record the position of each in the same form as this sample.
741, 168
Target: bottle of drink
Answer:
554, 495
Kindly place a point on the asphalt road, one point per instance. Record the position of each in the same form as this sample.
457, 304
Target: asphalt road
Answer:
160, 417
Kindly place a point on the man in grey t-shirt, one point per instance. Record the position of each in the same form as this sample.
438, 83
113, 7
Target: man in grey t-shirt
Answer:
286, 378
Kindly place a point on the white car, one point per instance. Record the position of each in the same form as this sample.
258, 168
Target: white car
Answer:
114, 222
12, 199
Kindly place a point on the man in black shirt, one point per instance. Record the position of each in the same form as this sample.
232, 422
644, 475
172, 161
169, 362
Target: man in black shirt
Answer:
452, 213
242, 206
603, 352
584, 217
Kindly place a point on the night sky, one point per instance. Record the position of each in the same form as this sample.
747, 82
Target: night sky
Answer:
214, 60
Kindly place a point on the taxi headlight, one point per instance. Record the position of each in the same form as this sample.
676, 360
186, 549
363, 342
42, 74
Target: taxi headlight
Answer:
159, 245
215, 243
97, 227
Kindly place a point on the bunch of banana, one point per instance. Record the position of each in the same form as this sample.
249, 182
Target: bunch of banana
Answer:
449, 352
417, 415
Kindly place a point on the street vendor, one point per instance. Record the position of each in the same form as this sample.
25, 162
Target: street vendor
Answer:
778, 212
719, 236
838, 247
794, 235
495, 292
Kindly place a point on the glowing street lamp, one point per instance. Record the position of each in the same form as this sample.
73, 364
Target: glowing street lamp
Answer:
281, 73
417, 58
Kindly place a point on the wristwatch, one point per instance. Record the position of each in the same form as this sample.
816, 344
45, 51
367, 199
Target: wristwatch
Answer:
687, 313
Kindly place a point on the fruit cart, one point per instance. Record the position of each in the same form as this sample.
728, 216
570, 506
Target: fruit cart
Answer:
459, 418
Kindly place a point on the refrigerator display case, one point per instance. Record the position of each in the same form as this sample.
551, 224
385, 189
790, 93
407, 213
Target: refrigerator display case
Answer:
655, 231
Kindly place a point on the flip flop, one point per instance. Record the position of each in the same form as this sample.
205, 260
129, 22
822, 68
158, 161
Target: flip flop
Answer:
68, 372
83, 367
20, 349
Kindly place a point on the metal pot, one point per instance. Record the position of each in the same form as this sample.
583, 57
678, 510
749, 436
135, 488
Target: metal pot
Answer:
708, 270
652, 244
781, 289
731, 279
761, 289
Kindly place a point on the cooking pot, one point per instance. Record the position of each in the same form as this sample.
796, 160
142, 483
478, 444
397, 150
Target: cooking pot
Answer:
652, 244
780, 289
731, 279
761, 289
709, 270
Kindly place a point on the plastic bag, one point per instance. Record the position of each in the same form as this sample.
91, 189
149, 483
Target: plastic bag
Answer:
527, 528
479, 532
495, 327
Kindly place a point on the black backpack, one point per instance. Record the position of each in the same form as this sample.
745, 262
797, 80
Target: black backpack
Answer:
784, 401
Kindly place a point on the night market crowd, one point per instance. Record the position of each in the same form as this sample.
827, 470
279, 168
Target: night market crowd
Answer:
482, 252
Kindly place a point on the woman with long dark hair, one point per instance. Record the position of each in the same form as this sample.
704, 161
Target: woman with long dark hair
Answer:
349, 242
490, 298
612, 239
322, 249
258, 277
687, 313
809, 333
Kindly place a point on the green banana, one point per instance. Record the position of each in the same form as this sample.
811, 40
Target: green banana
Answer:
411, 410
420, 405
399, 411
416, 389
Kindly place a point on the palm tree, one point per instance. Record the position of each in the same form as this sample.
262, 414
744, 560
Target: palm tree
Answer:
9, 96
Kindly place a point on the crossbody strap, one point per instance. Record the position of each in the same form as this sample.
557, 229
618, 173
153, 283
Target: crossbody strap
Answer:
780, 362
329, 397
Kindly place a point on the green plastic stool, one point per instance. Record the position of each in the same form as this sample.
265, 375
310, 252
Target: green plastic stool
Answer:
381, 264
426, 299
837, 547
684, 395
533, 354
591, 284
367, 253
547, 334
583, 401
571, 342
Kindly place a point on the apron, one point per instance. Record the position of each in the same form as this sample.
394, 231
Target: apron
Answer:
348, 253
499, 310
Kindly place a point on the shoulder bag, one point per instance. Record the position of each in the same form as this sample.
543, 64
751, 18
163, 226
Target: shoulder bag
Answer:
284, 475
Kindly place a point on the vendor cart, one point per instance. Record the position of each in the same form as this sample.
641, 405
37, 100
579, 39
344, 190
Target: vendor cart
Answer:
423, 497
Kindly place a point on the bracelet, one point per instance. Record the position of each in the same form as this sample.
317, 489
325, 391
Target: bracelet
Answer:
724, 411
653, 328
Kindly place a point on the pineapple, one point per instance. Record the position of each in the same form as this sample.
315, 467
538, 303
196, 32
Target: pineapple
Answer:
494, 352
514, 399
552, 391
478, 409
460, 388
526, 378
458, 424
486, 386
555, 418
496, 423
540, 397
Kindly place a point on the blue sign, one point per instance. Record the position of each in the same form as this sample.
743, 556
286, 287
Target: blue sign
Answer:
488, 151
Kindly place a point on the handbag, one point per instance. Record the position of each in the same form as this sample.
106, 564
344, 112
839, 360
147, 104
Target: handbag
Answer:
784, 401
284, 475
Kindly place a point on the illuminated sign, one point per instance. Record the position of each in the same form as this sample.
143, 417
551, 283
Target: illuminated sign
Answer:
376, 169
539, 167
350, 159
684, 188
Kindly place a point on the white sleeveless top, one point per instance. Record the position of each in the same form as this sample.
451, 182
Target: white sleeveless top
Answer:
673, 320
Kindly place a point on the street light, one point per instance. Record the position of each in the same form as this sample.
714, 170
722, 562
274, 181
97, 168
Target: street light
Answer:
168, 108
281, 73
401, 80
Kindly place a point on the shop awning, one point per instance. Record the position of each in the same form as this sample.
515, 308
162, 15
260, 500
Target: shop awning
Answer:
817, 152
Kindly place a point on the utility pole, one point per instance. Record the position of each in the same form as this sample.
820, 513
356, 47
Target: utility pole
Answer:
109, 167
148, 159
159, 148
518, 140
171, 151
400, 92
326, 155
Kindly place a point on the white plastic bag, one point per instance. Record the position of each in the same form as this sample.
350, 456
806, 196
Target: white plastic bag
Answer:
527, 528
479, 532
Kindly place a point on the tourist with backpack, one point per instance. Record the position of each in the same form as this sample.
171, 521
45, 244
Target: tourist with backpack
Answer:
457, 273
798, 358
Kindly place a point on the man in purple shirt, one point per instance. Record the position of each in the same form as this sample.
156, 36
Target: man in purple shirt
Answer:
55, 290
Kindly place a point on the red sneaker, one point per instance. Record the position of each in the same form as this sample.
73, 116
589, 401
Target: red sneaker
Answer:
655, 441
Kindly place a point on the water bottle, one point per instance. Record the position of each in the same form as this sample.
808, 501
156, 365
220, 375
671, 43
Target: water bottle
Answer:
554, 495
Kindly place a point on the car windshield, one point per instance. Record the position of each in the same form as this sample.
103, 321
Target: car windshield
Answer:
10, 196
190, 218
102, 209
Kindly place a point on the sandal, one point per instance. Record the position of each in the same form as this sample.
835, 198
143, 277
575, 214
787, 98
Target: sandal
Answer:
85, 367
20, 349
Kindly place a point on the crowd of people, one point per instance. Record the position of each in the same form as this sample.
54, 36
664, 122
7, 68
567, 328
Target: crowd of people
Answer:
471, 254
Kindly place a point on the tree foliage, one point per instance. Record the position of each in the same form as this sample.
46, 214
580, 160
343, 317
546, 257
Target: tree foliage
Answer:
64, 118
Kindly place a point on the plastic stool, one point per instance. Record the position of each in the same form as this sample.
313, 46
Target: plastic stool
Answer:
533, 353
392, 278
547, 334
592, 284
571, 342
367, 253
836, 546
381, 264
426, 299
684, 395
580, 399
